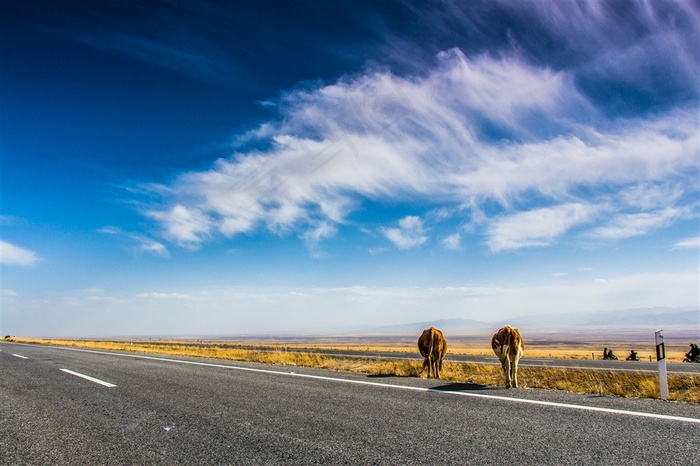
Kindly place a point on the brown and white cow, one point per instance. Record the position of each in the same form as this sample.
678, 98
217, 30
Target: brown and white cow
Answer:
432, 346
508, 346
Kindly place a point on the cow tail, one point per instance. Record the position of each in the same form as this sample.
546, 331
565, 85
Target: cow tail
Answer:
430, 343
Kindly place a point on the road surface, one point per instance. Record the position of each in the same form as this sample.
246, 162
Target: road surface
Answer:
70, 406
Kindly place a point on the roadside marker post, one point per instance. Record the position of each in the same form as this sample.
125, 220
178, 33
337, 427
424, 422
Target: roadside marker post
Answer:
661, 358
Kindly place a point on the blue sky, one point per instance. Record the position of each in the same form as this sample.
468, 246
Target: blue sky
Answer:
182, 168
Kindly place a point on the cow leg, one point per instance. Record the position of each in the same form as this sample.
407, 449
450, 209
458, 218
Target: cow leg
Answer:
437, 369
514, 370
506, 370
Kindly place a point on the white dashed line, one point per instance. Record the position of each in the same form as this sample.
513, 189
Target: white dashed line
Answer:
19, 356
87, 377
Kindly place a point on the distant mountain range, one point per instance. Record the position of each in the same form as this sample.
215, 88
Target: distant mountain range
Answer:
628, 318
443, 324
678, 323
687, 319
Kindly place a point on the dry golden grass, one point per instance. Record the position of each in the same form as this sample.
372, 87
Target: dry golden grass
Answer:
600, 382
568, 350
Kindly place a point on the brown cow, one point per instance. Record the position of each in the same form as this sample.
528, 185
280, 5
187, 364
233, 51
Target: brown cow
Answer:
508, 346
432, 346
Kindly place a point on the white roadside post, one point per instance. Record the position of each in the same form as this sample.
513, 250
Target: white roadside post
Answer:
661, 358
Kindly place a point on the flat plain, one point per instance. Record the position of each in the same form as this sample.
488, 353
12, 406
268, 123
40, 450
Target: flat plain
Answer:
391, 355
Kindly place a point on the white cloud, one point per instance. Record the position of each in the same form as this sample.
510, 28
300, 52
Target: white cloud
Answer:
628, 225
654, 150
538, 227
92, 291
106, 299
688, 243
650, 197
452, 241
8, 293
408, 235
386, 138
186, 226
313, 237
154, 247
143, 243
15, 255
164, 296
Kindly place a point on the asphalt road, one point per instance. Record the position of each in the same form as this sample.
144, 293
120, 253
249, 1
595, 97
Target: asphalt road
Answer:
194, 411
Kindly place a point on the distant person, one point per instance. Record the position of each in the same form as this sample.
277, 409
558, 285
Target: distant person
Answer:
694, 354
611, 355
605, 353
632, 356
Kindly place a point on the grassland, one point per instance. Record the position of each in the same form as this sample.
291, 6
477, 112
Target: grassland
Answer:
599, 382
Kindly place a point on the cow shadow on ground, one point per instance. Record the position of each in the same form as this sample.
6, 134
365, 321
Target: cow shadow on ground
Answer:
450, 387
463, 387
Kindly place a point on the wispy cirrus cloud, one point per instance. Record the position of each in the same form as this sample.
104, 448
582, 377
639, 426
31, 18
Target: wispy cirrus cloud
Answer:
636, 224
471, 132
143, 243
182, 39
11, 254
383, 137
647, 50
652, 196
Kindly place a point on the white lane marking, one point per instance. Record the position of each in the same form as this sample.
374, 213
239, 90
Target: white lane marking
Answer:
19, 356
403, 387
87, 377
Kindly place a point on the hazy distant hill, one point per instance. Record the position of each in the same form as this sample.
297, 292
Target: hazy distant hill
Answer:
443, 324
679, 323
629, 319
